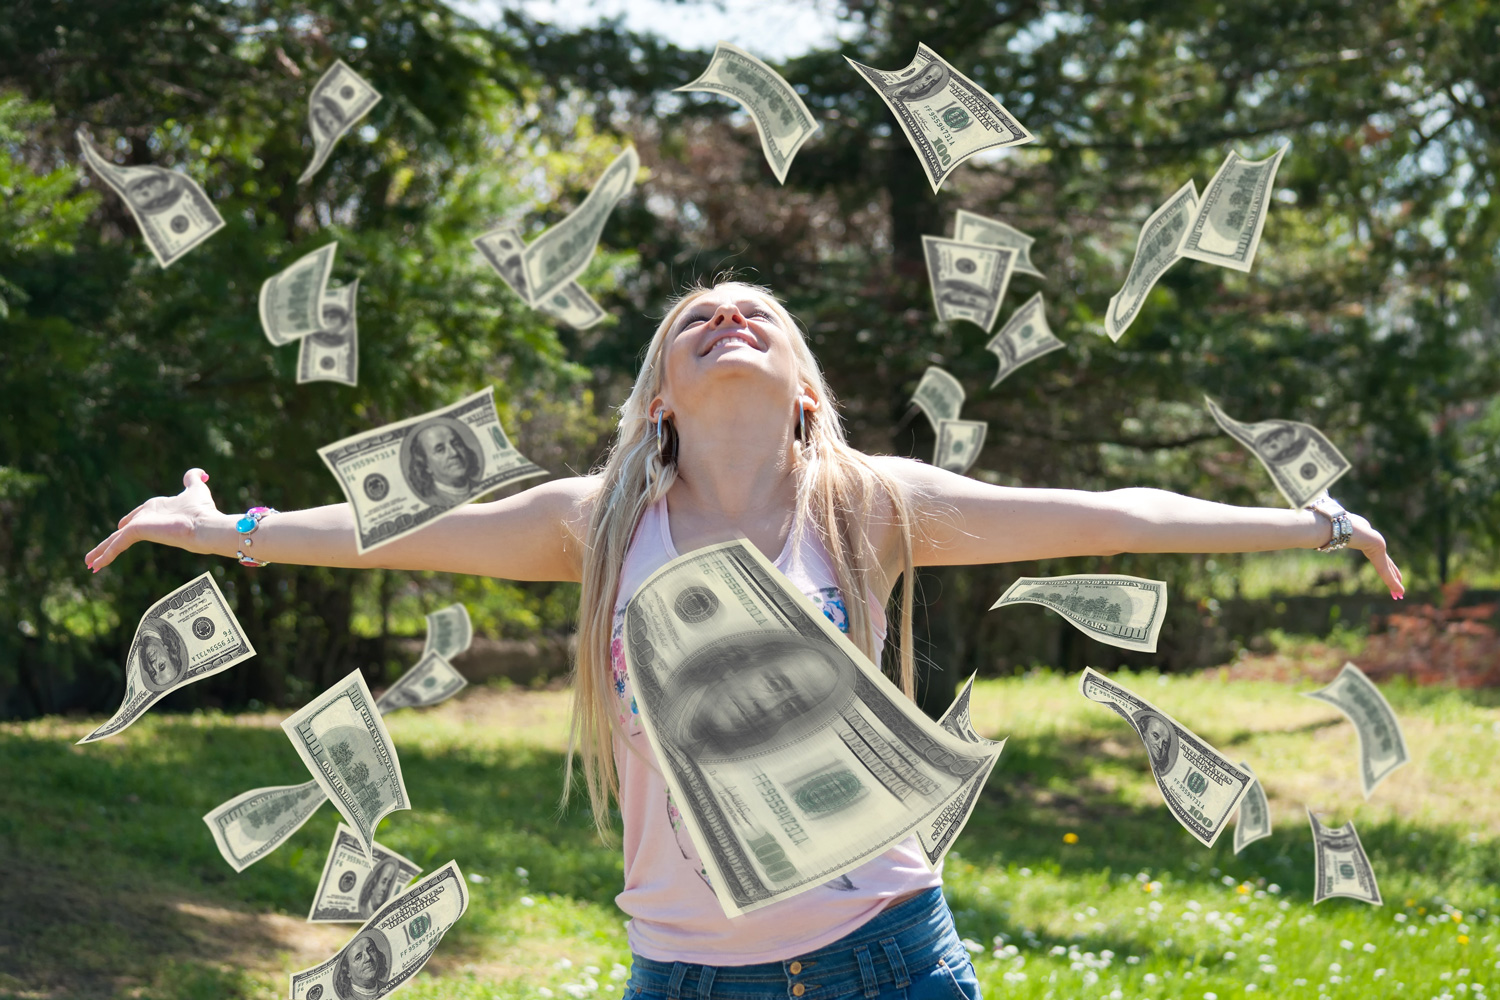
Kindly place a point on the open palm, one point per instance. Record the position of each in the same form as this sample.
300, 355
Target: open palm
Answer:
160, 519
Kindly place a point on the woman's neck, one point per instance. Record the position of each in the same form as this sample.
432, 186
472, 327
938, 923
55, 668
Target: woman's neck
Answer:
734, 478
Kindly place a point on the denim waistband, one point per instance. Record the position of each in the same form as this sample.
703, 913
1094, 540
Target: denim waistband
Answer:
912, 935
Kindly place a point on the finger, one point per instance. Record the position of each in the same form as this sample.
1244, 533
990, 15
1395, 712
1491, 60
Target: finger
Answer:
195, 483
104, 553
1388, 573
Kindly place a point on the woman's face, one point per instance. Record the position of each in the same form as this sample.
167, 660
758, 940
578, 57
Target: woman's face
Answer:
727, 334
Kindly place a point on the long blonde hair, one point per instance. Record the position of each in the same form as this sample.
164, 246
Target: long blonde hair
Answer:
838, 492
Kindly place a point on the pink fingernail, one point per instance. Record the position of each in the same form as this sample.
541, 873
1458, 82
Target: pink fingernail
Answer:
205, 477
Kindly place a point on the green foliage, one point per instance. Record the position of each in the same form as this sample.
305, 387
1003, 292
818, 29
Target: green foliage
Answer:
1370, 312
116, 375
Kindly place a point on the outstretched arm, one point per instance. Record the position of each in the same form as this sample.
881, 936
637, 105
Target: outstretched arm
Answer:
966, 522
534, 535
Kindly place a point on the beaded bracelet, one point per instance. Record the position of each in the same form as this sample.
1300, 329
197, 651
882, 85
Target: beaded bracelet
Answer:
246, 527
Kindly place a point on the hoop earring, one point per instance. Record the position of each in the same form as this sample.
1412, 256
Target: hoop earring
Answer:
801, 422
658, 429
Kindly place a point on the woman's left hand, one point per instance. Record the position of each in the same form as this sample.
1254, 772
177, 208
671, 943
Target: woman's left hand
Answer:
1372, 544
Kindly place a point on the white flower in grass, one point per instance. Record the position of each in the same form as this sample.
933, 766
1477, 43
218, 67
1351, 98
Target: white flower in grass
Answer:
1250, 987
1230, 956
618, 971
1400, 918
477, 878
592, 970
1335, 967
563, 963
1273, 888
1132, 960
1379, 973
1367, 947
1210, 996
544, 991
1299, 982
1346, 944
1268, 967
527, 901
971, 946
1149, 979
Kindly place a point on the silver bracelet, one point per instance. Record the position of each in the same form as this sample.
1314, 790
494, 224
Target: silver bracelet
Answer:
1343, 528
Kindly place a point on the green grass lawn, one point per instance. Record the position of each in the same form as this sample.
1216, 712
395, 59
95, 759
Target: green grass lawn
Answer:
110, 885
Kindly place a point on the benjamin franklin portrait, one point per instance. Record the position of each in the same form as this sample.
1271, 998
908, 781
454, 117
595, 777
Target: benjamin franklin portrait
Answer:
932, 79
160, 656
327, 116
1282, 443
442, 462
1160, 739
335, 332
742, 692
364, 967
379, 887
156, 191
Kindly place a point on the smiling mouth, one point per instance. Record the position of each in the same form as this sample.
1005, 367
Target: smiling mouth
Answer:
733, 338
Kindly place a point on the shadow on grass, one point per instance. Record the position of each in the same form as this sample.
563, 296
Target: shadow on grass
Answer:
110, 866
111, 869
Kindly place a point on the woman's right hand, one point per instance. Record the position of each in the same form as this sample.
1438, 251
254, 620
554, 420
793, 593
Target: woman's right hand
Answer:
166, 520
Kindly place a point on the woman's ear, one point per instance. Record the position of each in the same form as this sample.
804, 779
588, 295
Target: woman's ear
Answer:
808, 400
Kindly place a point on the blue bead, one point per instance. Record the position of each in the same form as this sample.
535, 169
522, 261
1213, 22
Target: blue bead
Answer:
245, 525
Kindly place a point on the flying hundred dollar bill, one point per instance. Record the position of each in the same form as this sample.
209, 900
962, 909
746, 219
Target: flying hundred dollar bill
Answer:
1253, 821
332, 353
339, 99
959, 443
792, 758
252, 825
957, 721
1342, 867
1382, 747
1302, 462
968, 280
780, 117
449, 631
353, 886
1155, 253
572, 305
1226, 227
404, 476
392, 946
939, 395
946, 116
1024, 337
173, 212
970, 227
291, 302
343, 741
1124, 611
1201, 787
186, 636
432, 680
561, 253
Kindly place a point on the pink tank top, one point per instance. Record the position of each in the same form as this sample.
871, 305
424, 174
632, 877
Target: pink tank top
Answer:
675, 916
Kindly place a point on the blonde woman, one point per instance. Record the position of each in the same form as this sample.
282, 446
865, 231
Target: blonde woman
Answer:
731, 432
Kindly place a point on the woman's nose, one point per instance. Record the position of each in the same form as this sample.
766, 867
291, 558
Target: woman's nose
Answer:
726, 314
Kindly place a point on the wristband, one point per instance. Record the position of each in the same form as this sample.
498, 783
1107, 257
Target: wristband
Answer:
246, 527
1343, 529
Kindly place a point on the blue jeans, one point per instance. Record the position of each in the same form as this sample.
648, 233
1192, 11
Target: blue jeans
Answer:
908, 952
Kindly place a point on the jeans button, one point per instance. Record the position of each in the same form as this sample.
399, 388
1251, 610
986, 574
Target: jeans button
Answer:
798, 990
795, 968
